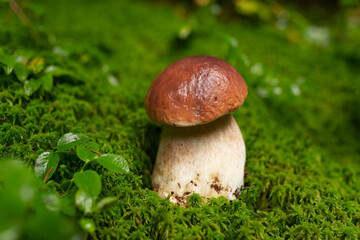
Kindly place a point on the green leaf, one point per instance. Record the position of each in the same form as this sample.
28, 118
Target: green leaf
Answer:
21, 71
9, 62
89, 182
41, 164
52, 164
106, 202
67, 206
50, 200
84, 151
115, 163
36, 65
84, 201
31, 86
87, 225
47, 82
61, 73
70, 140
56, 71
44, 163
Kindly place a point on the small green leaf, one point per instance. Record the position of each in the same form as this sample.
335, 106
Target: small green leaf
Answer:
67, 206
84, 151
31, 86
115, 163
84, 201
50, 201
87, 225
41, 164
89, 182
47, 82
106, 202
52, 165
21, 71
56, 71
70, 140
36, 65
44, 163
9, 63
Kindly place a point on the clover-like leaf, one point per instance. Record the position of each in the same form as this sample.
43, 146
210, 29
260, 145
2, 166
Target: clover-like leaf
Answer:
89, 182
46, 165
70, 140
115, 163
8, 62
85, 151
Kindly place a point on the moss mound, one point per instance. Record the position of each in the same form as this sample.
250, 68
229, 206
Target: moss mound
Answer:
88, 72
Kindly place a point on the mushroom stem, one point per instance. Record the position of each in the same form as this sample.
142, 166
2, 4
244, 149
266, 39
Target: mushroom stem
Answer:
206, 159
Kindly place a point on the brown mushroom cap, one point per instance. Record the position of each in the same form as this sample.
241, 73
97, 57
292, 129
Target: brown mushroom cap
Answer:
195, 90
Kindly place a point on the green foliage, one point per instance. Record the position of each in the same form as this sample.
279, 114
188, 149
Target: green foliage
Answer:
300, 125
88, 225
30, 209
86, 151
8, 63
87, 182
70, 140
114, 163
21, 71
46, 165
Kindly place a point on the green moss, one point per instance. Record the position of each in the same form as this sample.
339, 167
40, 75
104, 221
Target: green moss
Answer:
302, 150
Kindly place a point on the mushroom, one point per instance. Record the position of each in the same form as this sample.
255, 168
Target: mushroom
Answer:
201, 147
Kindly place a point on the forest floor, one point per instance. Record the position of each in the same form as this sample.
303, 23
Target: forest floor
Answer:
94, 61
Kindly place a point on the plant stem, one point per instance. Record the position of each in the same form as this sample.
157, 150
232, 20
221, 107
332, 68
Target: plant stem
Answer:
68, 189
19, 12
72, 180
96, 152
47, 175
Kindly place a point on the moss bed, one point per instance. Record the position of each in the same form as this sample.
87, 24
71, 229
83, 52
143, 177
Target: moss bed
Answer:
303, 165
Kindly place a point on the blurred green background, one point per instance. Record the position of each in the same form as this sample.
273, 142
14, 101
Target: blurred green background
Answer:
85, 66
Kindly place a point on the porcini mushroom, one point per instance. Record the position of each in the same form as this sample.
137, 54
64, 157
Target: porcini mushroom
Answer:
201, 148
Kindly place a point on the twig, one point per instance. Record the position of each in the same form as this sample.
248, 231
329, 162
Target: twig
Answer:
3, 119
96, 152
20, 13
47, 175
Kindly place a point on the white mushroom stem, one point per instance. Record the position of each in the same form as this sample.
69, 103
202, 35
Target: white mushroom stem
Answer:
207, 159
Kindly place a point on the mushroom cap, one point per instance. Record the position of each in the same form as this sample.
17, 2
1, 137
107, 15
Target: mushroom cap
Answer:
195, 90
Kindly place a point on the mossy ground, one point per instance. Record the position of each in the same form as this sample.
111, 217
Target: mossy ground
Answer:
302, 146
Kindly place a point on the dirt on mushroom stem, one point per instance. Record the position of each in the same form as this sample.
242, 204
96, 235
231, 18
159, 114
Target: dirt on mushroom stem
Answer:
206, 159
